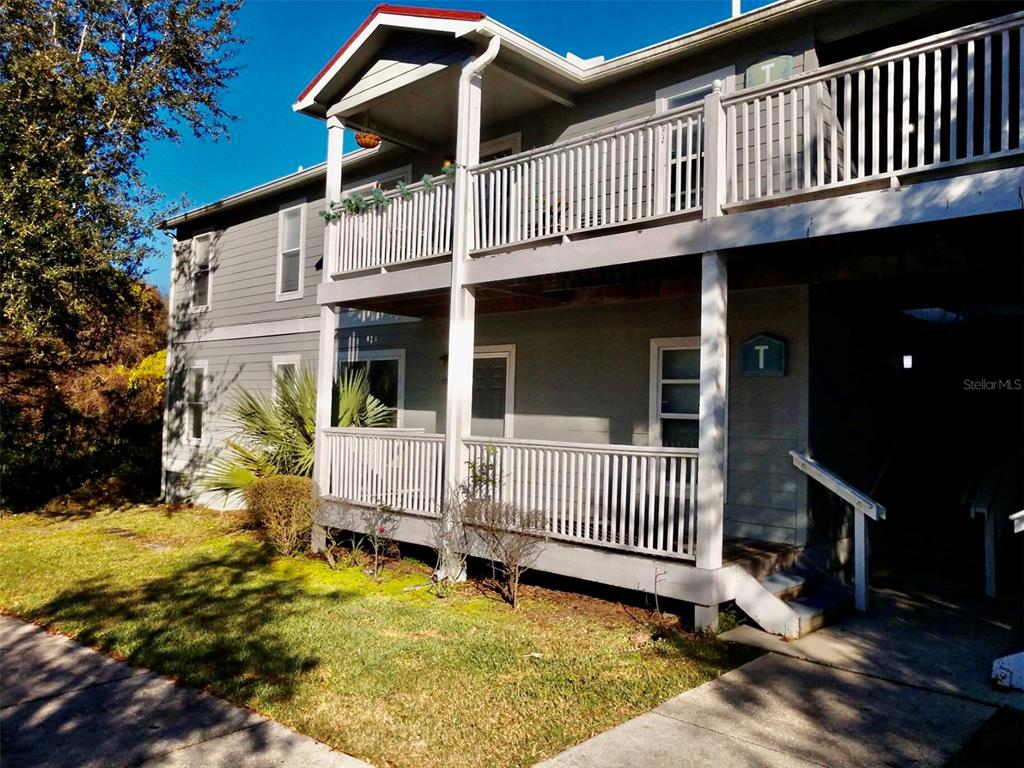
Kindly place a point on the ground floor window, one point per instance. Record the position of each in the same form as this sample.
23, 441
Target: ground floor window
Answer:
493, 390
195, 400
675, 392
284, 365
385, 369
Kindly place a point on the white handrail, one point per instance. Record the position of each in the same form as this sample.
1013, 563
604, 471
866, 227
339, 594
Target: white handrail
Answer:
1018, 521
860, 501
913, 48
593, 447
863, 507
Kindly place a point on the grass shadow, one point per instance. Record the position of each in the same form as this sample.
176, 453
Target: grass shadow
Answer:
214, 623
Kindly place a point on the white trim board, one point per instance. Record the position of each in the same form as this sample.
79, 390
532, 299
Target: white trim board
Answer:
508, 352
355, 355
354, 319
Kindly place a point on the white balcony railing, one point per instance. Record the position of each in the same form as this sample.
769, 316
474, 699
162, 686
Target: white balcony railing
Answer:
416, 224
630, 173
953, 97
397, 468
630, 498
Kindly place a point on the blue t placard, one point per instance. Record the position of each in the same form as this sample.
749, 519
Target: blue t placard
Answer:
763, 355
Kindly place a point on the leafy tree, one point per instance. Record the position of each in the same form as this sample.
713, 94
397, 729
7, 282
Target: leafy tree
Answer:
84, 86
274, 435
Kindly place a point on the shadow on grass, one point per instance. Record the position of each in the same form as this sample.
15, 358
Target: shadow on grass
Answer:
216, 622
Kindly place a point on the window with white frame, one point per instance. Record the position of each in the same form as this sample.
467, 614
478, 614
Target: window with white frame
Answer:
284, 365
195, 401
385, 181
494, 375
675, 392
291, 229
385, 370
689, 91
200, 272
502, 146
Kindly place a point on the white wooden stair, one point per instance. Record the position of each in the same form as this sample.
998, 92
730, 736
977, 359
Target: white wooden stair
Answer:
791, 602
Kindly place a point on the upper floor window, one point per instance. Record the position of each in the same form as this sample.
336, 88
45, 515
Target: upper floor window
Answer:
200, 272
690, 91
291, 238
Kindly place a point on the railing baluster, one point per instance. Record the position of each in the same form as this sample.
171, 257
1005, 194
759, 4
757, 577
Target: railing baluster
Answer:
757, 148
970, 99
746, 155
922, 100
937, 108
954, 88
1004, 102
875, 147
986, 99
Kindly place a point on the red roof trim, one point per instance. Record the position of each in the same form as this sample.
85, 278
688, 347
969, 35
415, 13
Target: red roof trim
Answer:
397, 10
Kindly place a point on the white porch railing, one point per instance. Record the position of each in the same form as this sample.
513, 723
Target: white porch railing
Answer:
953, 97
393, 467
623, 497
410, 226
630, 173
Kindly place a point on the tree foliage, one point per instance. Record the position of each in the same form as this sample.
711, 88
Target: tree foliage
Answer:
84, 86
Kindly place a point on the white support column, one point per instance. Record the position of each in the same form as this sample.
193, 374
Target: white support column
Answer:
328, 346
860, 560
716, 164
461, 322
711, 458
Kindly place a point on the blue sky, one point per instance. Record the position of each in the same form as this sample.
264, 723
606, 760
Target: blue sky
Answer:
288, 41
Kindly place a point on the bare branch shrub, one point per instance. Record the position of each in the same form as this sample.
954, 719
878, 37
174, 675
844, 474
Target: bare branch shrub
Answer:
451, 542
379, 526
510, 536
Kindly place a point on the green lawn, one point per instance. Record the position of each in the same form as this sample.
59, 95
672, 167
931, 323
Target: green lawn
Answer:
393, 675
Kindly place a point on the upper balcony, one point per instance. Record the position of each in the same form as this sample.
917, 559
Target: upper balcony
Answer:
947, 105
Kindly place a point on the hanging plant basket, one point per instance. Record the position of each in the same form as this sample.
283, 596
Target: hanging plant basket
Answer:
367, 140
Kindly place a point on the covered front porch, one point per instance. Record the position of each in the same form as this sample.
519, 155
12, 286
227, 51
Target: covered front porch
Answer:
585, 400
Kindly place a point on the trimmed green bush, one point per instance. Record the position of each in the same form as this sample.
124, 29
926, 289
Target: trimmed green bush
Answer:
283, 506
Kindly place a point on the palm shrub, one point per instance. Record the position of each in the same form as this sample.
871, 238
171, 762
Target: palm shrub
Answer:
274, 434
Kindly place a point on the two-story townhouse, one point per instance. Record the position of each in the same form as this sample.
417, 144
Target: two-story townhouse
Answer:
686, 301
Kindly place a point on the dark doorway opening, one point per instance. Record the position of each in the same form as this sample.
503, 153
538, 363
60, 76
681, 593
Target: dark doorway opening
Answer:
917, 398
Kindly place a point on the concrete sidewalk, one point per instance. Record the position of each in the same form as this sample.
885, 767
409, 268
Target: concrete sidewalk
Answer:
65, 705
905, 685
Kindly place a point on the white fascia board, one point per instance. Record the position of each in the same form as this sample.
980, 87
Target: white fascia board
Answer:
452, 26
267, 188
536, 52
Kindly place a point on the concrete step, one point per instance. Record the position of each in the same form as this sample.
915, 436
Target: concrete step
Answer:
821, 606
787, 584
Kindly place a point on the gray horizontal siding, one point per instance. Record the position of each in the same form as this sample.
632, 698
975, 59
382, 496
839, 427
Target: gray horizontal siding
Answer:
230, 365
766, 496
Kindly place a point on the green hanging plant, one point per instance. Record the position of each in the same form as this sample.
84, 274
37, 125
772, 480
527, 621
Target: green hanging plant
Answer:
356, 203
428, 182
379, 200
331, 213
403, 190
